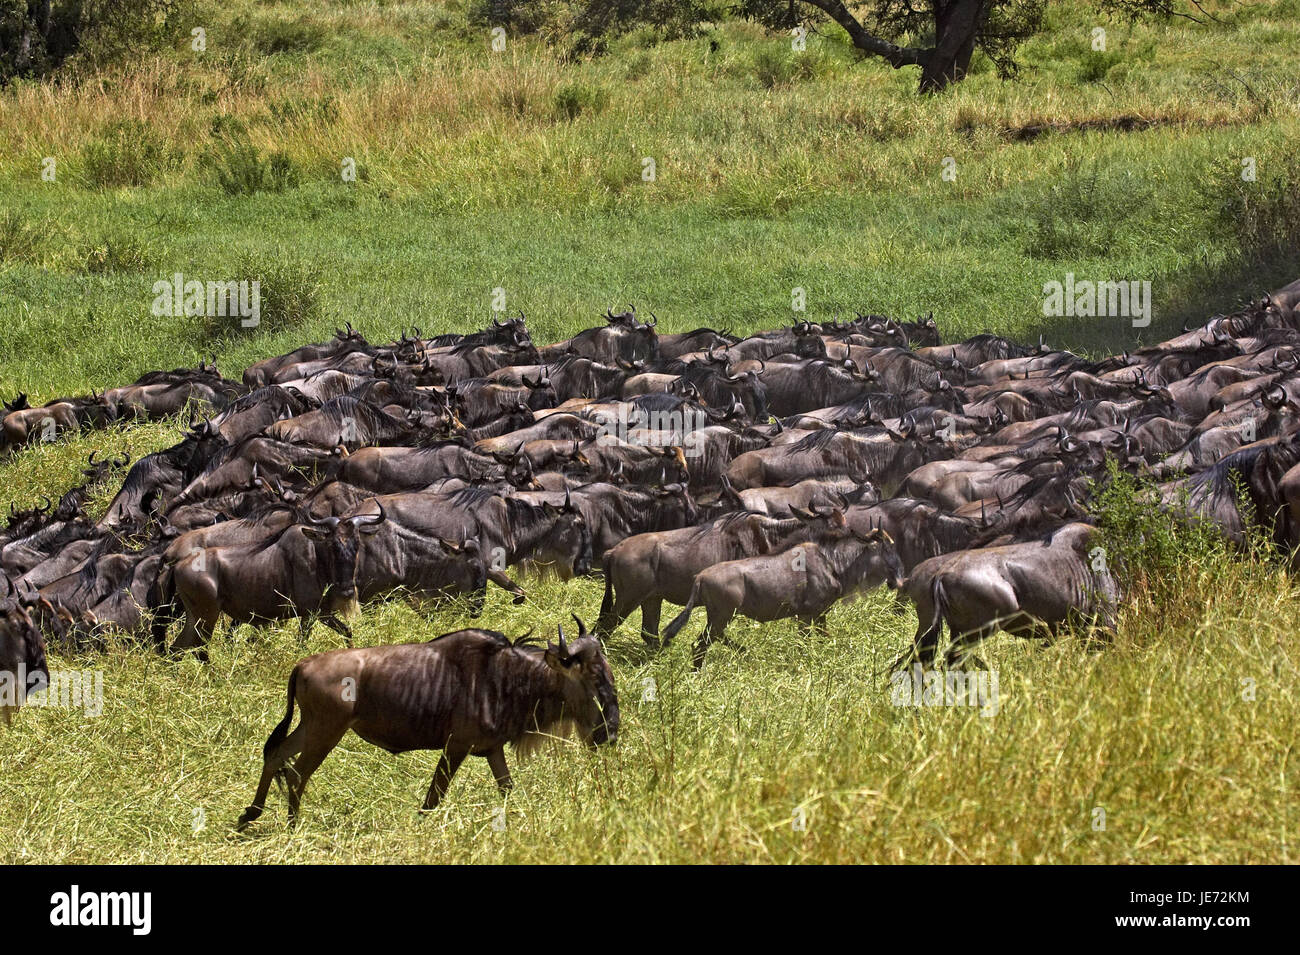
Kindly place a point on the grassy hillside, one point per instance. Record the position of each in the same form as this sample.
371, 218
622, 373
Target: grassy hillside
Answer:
478, 170
773, 170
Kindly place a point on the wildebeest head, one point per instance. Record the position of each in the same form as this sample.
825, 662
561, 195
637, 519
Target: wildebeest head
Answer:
541, 393
589, 695
338, 548
569, 543
22, 651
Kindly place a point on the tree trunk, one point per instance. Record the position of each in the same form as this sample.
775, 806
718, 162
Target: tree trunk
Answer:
957, 24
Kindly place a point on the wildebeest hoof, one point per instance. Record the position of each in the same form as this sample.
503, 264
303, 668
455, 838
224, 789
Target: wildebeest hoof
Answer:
519, 599
653, 643
247, 816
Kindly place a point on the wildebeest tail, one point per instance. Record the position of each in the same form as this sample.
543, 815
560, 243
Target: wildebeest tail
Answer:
679, 621
282, 728
606, 604
161, 599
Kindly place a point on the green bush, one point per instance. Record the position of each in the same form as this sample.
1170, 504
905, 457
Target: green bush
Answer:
128, 154
1096, 64
117, 253
20, 240
772, 68
1263, 216
1081, 211
240, 169
287, 36
573, 99
37, 39
289, 293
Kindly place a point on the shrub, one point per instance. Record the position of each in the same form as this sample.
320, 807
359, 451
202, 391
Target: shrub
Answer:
287, 36
128, 154
772, 69
289, 293
240, 170
1082, 212
118, 253
1096, 64
1263, 216
1164, 563
20, 240
35, 43
573, 99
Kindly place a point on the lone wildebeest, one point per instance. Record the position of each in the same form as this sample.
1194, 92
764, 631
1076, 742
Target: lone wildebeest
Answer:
467, 693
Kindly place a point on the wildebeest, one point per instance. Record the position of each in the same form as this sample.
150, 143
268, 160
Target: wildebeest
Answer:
306, 570
645, 570
467, 693
22, 653
622, 338
1030, 588
801, 582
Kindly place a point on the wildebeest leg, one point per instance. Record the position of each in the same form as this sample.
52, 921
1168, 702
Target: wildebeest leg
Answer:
500, 771
924, 646
318, 740
615, 607
715, 628
272, 769
650, 612
447, 766
959, 650
195, 634
338, 626
822, 626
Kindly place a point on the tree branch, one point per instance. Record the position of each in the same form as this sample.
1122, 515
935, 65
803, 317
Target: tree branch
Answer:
893, 54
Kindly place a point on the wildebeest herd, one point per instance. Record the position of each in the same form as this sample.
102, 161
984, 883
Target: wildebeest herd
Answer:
768, 476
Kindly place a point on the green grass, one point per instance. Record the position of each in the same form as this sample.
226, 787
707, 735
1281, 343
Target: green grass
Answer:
521, 171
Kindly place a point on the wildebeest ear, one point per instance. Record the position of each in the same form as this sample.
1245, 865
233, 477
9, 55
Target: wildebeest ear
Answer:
314, 533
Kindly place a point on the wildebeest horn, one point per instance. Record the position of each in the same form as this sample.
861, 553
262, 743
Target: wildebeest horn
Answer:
562, 647
370, 519
91, 460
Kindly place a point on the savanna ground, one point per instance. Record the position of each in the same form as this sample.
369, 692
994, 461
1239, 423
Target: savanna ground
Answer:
773, 170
